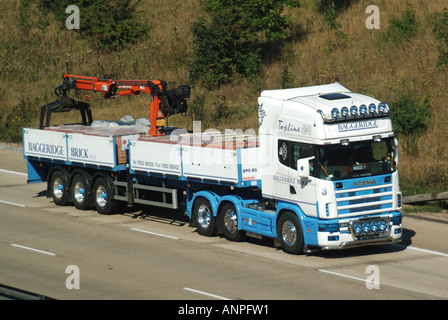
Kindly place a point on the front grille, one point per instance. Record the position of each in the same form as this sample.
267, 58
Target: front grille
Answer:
354, 198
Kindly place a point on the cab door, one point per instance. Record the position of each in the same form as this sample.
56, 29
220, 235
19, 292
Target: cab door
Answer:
281, 180
301, 191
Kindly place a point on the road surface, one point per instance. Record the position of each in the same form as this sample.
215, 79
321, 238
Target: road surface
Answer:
65, 253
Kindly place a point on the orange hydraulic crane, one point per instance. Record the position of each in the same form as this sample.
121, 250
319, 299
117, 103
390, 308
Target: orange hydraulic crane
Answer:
163, 104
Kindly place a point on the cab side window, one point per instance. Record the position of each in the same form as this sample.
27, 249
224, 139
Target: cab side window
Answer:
300, 151
289, 152
283, 152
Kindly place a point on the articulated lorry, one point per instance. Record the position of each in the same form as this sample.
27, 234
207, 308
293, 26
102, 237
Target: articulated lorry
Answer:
319, 174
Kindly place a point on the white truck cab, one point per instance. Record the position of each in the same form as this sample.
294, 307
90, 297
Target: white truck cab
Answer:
332, 161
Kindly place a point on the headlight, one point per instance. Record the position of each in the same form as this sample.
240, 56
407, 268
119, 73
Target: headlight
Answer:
357, 228
366, 227
374, 226
354, 111
382, 225
372, 108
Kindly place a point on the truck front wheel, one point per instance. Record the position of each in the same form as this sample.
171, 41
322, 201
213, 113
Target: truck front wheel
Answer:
289, 233
203, 216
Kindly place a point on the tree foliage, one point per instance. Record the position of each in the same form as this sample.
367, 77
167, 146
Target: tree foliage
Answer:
227, 42
403, 27
110, 24
441, 32
410, 115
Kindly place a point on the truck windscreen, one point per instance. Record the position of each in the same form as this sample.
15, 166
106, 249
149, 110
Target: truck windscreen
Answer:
355, 159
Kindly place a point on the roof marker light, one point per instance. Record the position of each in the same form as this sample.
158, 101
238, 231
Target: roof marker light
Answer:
335, 113
382, 107
363, 110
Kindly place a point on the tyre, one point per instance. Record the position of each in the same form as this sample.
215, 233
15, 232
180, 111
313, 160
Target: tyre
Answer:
79, 191
229, 222
289, 233
102, 197
203, 216
58, 187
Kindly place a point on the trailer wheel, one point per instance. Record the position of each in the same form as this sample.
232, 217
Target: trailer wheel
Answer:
102, 197
203, 215
79, 192
289, 233
58, 187
229, 222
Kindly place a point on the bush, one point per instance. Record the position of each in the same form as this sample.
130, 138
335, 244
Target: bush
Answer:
110, 24
12, 121
409, 115
227, 44
441, 31
286, 79
402, 28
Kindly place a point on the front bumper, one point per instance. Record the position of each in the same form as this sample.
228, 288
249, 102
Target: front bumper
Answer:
347, 237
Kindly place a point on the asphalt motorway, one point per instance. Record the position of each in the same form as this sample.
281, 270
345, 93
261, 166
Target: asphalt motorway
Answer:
153, 254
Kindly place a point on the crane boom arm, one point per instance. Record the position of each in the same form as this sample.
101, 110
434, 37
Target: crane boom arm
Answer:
163, 104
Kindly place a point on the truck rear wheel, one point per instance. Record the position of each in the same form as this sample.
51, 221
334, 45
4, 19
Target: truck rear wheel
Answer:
289, 233
79, 192
102, 197
229, 222
203, 216
58, 187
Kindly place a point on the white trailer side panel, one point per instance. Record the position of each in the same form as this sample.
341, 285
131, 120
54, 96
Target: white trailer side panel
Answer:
92, 150
44, 144
155, 157
250, 164
210, 163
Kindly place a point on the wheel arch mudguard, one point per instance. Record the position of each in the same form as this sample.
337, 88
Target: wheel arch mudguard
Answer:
309, 225
211, 196
237, 202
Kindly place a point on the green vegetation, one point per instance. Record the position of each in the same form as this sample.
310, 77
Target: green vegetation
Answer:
403, 27
409, 115
441, 31
111, 25
21, 115
433, 206
228, 43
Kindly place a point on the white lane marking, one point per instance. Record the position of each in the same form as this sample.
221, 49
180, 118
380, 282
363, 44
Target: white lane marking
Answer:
32, 249
13, 172
346, 276
206, 294
155, 234
13, 203
443, 254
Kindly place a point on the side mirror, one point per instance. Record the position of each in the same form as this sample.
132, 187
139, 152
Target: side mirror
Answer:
396, 151
303, 167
